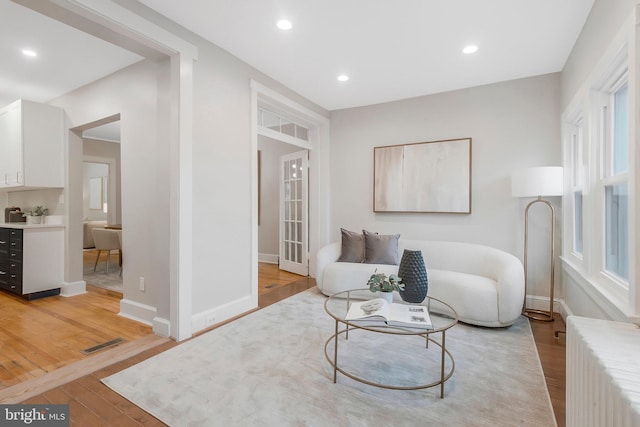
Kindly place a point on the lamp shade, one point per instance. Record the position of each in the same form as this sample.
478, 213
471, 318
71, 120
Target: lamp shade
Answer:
534, 182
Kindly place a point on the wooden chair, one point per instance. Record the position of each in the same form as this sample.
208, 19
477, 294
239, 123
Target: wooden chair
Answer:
105, 240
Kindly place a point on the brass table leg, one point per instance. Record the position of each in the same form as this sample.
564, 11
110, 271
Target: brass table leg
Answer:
442, 368
335, 355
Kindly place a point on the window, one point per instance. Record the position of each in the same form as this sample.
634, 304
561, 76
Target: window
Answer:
614, 182
600, 154
278, 123
621, 130
617, 243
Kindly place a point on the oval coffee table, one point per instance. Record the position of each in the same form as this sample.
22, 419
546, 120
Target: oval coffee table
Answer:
443, 317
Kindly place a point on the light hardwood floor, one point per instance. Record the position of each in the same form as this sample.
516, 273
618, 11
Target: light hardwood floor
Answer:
270, 277
92, 403
39, 336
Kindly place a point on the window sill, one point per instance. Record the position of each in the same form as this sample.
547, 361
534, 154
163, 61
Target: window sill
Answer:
612, 302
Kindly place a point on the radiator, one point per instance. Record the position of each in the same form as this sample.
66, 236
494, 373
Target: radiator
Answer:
603, 373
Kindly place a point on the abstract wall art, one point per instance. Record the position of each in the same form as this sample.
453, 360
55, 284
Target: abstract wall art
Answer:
429, 177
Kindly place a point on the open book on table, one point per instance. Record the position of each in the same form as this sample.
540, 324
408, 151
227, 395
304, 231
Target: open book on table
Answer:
378, 312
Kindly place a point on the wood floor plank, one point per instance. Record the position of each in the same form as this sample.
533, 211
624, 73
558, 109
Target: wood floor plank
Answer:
71, 372
91, 400
16, 365
43, 335
552, 353
26, 349
270, 277
82, 416
56, 395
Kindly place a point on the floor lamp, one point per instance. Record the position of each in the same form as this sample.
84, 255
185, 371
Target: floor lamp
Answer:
538, 182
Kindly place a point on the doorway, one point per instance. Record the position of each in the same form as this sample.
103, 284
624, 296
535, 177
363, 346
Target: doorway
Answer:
101, 207
306, 130
270, 242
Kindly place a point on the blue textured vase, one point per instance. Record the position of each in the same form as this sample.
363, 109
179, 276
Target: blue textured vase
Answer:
413, 273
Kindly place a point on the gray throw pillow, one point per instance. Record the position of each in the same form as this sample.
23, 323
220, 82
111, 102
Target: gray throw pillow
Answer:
380, 248
352, 247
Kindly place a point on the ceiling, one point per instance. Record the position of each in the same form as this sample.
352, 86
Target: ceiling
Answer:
109, 132
390, 50
67, 58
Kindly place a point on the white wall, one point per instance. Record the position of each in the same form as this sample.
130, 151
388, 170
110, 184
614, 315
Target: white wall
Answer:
602, 25
513, 124
269, 228
222, 178
221, 173
132, 92
49, 198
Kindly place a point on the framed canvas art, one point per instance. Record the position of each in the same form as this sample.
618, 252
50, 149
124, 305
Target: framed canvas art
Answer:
429, 177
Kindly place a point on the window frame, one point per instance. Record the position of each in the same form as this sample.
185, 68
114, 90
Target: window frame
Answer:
606, 174
589, 269
576, 158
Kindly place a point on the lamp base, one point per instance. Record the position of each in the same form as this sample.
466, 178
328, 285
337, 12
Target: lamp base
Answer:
542, 315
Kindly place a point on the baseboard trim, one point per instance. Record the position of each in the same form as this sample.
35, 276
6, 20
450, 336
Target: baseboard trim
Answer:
137, 311
268, 258
564, 309
70, 289
216, 315
542, 303
161, 327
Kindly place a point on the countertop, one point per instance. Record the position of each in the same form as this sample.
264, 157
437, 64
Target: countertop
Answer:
24, 225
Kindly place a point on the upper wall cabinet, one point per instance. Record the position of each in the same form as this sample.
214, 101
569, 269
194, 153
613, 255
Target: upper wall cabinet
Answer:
31, 146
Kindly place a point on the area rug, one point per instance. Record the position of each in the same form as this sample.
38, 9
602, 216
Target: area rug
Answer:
100, 278
269, 368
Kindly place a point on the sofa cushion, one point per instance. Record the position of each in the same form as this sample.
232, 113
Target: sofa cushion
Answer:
475, 298
352, 246
341, 276
380, 248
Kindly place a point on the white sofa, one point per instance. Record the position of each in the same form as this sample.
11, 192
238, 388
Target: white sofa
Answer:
483, 284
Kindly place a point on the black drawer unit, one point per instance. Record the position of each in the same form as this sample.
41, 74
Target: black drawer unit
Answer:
15, 244
5, 237
5, 243
15, 277
11, 260
31, 260
5, 274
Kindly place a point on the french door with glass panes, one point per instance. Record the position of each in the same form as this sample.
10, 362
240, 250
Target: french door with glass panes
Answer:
294, 169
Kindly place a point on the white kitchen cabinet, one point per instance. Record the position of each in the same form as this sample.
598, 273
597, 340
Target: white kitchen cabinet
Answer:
31, 146
10, 144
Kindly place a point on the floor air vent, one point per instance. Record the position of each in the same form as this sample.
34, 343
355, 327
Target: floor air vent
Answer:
102, 346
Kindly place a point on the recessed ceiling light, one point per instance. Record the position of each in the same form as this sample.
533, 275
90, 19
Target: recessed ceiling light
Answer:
29, 52
470, 49
343, 78
284, 24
